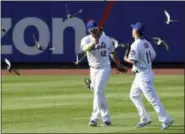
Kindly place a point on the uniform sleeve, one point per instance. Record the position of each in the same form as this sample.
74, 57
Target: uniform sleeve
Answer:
153, 54
111, 46
85, 44
134, 53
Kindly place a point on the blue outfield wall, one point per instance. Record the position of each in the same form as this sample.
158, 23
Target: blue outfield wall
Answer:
47, 21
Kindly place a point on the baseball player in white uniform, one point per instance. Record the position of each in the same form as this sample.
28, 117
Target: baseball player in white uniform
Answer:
87, 80
98, 47
141, 56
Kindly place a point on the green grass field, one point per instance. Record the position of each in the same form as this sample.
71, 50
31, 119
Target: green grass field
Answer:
62, 104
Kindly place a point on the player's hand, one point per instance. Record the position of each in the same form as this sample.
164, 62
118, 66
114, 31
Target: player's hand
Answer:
128, 45
96, 40
121, 68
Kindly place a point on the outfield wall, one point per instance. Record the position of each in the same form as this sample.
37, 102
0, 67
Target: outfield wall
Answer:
47, 21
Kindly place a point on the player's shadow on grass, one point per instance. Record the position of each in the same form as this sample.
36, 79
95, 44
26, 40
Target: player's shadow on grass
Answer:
173, 127
177, 127
122, 125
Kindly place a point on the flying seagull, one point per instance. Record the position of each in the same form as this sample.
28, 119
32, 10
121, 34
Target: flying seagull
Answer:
9, 67
115, 42
3, 30
160, 42
71, 15
168, 18
80, 11
117, 45
39, 47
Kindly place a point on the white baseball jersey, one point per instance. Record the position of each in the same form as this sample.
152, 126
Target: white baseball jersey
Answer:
99, 56
143, 53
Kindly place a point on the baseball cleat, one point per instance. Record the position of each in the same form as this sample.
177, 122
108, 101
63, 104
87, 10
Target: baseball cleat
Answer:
142, 124
106, 123
166, 125
93, 123
88, 82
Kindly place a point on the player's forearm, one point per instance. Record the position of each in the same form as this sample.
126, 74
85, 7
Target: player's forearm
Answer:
126, 59
115, 58
88, 47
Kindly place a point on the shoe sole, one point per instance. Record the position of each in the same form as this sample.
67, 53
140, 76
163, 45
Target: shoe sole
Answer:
104, 125
168, 126
145, 124
91, 125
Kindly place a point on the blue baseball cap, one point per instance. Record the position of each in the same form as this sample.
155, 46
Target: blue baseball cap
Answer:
138, 26
91, 25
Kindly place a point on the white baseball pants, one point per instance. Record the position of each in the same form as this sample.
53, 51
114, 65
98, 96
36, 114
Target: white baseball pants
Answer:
99, 78
144, 83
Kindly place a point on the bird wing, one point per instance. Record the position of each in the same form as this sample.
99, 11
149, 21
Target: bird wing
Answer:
36, 43
77, 12
8, 63
67, 10
81, 10
174, 20
167, 15
122, 45
165, 45
156, 38
52, 48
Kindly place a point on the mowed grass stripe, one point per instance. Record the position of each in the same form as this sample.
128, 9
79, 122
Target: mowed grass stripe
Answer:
124, 116
120, 122
65, 105
60, 100
32, 90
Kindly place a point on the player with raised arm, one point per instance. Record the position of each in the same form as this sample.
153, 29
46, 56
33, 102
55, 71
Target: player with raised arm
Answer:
141, 56
98, 47
121, 68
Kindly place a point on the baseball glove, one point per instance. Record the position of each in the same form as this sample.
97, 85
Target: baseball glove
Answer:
121, 68
128, 45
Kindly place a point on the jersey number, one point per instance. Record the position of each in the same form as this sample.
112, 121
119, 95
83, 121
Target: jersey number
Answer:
148, 56
103, 53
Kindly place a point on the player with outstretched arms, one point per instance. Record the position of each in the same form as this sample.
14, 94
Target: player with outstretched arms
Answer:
141, 55
98, 48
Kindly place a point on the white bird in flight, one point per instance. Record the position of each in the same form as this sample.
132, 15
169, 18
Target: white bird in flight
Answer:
71, 15
9, 67
8, 64
41, 47
169, 21
160, 42
116, 44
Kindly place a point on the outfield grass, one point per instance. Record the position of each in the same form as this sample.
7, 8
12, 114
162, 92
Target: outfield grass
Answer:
62, 104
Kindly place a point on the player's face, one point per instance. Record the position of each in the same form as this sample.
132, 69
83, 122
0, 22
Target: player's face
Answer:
95, 32
134, 32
